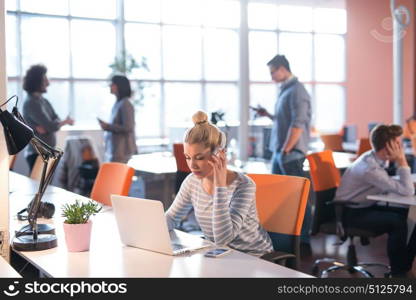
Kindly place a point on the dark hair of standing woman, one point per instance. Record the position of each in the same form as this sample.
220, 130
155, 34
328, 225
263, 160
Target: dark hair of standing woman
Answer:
33, 79
123, 86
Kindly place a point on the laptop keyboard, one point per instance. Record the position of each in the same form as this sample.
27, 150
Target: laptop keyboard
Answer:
177, 247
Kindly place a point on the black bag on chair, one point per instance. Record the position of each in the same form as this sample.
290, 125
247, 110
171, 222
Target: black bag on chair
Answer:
88, 172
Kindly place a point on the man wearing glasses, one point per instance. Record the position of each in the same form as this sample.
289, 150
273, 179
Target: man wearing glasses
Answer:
291, 124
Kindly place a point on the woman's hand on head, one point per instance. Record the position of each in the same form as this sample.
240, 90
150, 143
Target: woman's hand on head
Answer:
218, 162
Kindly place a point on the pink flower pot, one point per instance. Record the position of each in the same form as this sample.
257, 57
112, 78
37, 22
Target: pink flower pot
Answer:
78, 236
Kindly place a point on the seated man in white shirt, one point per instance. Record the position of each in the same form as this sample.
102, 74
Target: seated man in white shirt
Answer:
367, 176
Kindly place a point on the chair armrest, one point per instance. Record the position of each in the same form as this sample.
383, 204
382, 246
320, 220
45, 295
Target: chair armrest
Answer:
280, 257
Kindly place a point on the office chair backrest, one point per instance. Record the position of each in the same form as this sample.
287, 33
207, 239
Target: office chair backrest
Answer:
78, 149
409, 129
112, 178
363, 146
181, 165
332, 142
325, 180
180, 158
281, 202
324, 173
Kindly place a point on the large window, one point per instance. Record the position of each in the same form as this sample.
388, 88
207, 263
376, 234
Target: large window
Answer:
192, 49
313, 41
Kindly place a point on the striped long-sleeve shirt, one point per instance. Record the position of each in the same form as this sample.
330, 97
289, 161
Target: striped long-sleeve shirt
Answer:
228, 217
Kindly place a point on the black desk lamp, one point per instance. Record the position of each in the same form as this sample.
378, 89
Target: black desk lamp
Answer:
18, 135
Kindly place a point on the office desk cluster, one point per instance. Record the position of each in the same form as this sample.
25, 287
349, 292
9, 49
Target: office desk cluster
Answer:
109, 258
162, 166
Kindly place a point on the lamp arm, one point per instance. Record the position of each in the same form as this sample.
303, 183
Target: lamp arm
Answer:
49, 156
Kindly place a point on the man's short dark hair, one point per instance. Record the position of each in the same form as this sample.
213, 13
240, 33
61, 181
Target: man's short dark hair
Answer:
123, 86
382, 134
279, 61
33, 79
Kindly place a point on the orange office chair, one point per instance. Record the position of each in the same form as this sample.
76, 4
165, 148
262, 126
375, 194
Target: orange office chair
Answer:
409, 128
112, 178
181, 165
363, 146
328, 215
332, 142
189, 222
281, 202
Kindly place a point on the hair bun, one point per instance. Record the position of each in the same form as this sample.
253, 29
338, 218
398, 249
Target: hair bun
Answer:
199, 118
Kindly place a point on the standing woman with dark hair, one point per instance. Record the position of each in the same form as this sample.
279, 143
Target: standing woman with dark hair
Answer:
120, 137
38, 112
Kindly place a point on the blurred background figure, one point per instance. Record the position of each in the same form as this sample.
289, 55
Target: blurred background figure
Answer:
38, 112
120, 137
291, 126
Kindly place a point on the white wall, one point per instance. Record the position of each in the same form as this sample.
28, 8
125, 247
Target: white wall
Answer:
4, 175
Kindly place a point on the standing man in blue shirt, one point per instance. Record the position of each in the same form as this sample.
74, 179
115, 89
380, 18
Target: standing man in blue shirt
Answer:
291, 124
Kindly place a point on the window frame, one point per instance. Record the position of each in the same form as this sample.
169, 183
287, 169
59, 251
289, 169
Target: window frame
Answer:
119, 22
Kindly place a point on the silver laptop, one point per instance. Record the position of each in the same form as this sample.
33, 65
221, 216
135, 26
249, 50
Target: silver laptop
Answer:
142, 224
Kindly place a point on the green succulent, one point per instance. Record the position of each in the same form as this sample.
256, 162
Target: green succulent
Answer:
80, 212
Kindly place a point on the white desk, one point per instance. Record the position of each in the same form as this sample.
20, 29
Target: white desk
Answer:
20, 184
164, 163
109, 258
6, 270
394, 198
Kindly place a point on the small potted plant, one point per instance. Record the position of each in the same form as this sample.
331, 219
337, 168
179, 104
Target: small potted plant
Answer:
77, 225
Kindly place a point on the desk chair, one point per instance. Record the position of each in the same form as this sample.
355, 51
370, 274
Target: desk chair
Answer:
409, 129
79, 158
363, 146
189, 223
281, 202
181, 165
328, 216
112, 178
332, 142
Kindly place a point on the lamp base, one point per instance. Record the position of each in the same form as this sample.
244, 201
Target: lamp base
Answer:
42, 229
27, 243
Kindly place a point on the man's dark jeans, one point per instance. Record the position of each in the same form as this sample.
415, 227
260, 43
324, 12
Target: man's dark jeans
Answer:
390, 220
292, 164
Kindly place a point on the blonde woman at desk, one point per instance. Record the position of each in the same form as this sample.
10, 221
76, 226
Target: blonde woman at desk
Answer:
224, 201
